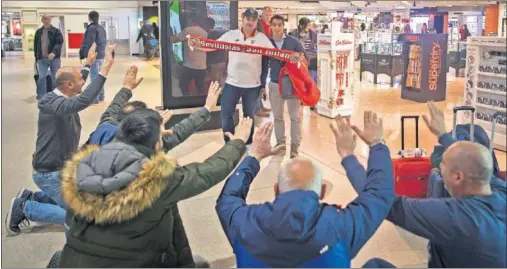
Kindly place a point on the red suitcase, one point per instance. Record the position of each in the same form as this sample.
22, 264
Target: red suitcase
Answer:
411, 174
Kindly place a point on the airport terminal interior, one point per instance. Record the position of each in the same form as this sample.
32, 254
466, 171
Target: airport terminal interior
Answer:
392, 67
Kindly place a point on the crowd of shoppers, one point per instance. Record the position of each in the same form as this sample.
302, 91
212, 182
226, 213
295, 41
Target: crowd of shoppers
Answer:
118, 195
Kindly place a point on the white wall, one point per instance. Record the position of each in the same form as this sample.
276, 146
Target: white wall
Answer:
70, 4
125, 12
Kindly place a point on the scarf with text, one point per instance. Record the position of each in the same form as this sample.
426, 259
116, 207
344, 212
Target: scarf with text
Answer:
296, 67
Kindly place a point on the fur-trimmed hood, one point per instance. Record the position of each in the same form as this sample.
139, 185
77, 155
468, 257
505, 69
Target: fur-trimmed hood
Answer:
114, 183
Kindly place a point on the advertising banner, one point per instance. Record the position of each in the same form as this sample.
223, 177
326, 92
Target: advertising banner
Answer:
425, 67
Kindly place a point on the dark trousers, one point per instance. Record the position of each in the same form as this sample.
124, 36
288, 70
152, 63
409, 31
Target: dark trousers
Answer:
229, 101
378, 263
189, 74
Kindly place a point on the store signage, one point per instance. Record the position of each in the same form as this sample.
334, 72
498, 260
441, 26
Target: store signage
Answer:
412, 38
435, 66
342, 42
324, 42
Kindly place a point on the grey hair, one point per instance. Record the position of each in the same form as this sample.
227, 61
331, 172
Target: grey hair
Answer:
286, 184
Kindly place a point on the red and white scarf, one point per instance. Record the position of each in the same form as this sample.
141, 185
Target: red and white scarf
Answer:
296, 67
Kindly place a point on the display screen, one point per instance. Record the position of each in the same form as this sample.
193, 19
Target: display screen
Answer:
193, 70
175, 28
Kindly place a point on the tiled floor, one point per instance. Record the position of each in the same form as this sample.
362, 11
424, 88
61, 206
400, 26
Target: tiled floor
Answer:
19, 117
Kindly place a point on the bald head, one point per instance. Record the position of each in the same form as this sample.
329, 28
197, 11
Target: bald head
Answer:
46, 20
472, 159
300, 174
69, 80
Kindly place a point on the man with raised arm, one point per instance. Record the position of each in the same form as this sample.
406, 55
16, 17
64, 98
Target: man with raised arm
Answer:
296, 229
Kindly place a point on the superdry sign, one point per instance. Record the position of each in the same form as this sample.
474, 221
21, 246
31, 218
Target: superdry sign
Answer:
435, 66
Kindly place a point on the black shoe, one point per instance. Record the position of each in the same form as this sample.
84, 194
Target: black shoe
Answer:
25, 194
16, 217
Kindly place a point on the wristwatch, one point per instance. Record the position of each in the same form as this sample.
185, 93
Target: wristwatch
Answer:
377, 141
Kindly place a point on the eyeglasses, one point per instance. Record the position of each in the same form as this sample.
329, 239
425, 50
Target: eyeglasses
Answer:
491, 86
491, 102
488, 117
493, 69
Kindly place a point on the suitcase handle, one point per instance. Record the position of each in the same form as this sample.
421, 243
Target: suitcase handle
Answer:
455, 119
403, 130
496, 115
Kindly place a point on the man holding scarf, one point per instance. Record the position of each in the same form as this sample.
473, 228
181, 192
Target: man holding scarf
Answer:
246, 73
284, 42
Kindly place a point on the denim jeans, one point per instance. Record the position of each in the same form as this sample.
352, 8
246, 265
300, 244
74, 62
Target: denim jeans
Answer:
43, 209
94, 73
42, 68
230, 98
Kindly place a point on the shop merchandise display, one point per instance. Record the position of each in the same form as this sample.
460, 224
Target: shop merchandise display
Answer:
414, 67
382, 55
335, 71
296, 67
485, 84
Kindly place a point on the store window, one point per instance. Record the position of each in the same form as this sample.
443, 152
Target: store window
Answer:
192, 71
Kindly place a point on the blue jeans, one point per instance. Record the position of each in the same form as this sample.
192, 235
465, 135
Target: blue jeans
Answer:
48, 206
230, 98
94, 73
314, 75
42, 68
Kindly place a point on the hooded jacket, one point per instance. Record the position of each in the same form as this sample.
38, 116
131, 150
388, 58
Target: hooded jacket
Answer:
122, 204
296, 230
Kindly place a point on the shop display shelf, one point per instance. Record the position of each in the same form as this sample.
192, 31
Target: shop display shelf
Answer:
492, 74
491, 91
496, 108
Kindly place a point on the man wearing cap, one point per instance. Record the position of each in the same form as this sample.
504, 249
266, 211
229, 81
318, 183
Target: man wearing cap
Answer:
246, 73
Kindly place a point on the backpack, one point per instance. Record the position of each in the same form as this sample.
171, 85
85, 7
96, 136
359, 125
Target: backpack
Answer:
104, 134
463, 134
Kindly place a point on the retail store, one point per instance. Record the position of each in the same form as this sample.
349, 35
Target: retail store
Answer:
394, 47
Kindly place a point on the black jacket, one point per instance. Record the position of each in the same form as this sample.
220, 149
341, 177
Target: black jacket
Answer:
55, 38
94, 33
122, 204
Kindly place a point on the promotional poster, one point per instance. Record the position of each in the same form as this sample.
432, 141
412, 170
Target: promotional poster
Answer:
424, 67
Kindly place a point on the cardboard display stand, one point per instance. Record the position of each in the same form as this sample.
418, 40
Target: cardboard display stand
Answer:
424, 67
335, 72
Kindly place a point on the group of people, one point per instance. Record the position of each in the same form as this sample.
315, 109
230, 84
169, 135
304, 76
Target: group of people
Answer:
117, 196
48, 42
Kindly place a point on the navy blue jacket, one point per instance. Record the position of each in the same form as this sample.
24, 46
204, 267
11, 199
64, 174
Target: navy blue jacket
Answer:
463, 233
296, 230
94, 33
290, 43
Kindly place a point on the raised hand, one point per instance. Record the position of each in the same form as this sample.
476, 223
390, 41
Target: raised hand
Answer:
436, 123
130, 82
242, 130
108, 60
166, 116
261, 146
344, 138
92, 54
213, 94
373, 128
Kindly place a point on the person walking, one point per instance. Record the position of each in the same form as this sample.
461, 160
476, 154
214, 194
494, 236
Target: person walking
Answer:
47, 50
95, 33
284, 42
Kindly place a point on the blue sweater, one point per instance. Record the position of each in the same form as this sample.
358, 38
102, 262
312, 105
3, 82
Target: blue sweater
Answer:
296, 230
463, 233
290, 43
